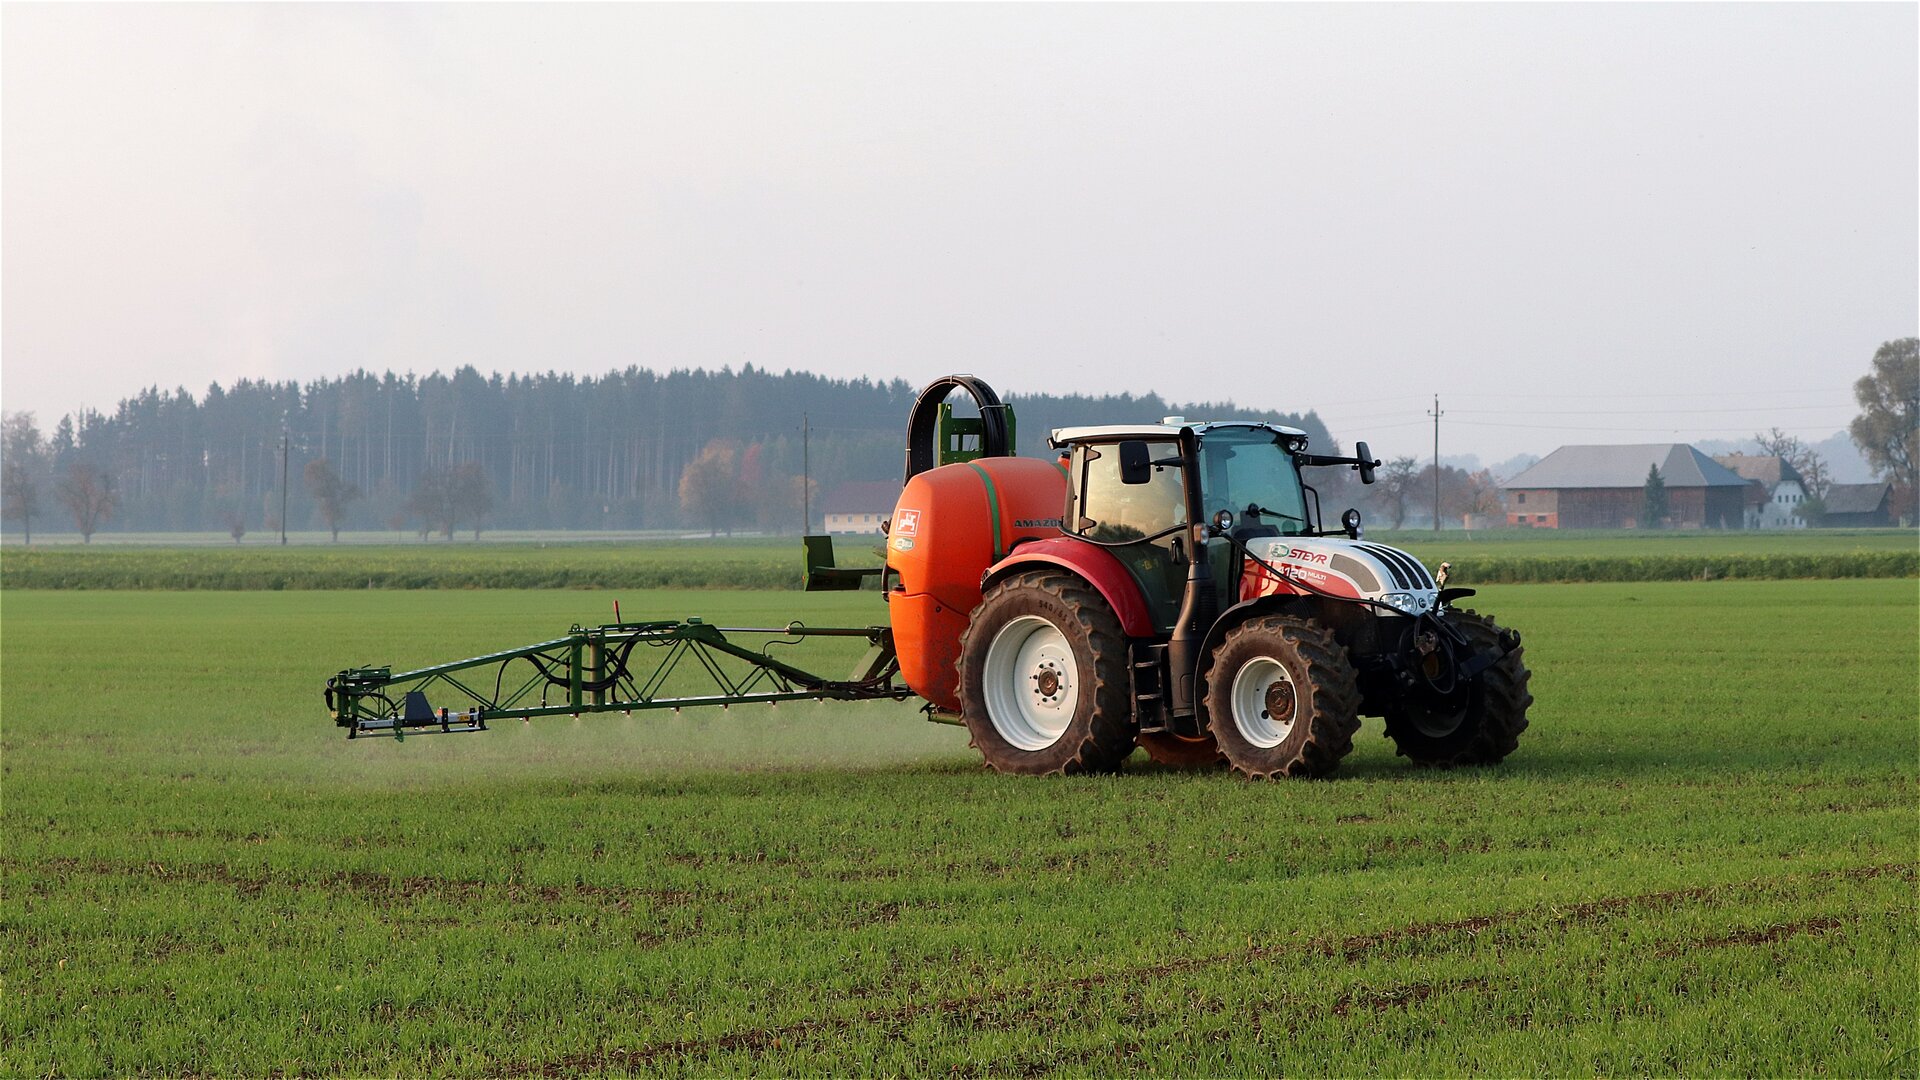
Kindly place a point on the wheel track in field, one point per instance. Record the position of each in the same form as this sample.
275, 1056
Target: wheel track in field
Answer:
621, 900
1349, 948
367, 883
1399, 996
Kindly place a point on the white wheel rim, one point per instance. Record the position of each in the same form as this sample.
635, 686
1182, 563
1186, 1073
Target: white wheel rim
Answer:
1031, 683
1261, 682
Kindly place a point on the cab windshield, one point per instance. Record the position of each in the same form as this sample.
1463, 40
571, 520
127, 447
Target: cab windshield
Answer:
1247, 471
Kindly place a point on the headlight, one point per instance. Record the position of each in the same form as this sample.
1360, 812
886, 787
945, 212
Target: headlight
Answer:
1404, 602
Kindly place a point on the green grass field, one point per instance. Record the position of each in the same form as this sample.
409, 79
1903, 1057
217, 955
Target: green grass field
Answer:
775, 563
1702, 860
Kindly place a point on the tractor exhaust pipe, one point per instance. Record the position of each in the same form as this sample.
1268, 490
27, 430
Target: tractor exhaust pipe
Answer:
1200, 601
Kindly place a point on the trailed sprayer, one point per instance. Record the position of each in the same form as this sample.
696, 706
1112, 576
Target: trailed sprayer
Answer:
1170, 586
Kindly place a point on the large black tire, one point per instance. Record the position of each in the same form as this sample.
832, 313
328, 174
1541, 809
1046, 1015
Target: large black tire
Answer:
1487, 725
1282, 699
1043, 678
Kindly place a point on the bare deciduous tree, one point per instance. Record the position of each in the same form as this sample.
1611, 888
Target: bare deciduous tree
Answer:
472, 495
331, 492
446, 497
87, 493
20, 471
1396, 484
1805, 460
19, 495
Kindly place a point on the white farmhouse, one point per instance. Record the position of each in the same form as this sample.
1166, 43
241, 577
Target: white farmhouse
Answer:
1778, 490
860, 507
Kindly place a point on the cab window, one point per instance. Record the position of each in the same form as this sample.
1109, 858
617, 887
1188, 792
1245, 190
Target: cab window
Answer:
1112, 512
1248, 472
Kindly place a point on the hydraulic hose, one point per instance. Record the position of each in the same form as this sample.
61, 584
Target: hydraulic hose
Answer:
921, 422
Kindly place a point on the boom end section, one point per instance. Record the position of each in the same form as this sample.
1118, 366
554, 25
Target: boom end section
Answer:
357, 702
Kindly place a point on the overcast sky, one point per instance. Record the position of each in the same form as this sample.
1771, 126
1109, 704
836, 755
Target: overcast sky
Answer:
1614, 223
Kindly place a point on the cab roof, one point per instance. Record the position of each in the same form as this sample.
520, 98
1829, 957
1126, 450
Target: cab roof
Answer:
1110, 432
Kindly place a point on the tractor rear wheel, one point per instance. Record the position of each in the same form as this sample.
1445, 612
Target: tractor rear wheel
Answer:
1485, 726
1282, 699
1043, 678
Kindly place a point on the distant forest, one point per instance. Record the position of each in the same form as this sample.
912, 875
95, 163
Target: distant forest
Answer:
464, 451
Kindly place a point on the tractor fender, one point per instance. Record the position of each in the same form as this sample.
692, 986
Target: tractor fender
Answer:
1089, 561
1272, 604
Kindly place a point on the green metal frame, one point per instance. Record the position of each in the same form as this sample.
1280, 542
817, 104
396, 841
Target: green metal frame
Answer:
594, 669
951, 433
823, 576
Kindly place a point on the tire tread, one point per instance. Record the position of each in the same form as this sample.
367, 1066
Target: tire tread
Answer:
1108, 738
1505, 698
1333, 690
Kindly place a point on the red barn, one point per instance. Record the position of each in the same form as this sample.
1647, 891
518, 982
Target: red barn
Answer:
1604, 487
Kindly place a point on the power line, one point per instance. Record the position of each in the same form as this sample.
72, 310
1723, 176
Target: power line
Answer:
1644, 412
1363, 417
1556, 396
1390, 427
1614, 427
1780, 391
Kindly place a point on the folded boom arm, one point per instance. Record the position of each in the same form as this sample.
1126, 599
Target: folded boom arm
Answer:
617, 667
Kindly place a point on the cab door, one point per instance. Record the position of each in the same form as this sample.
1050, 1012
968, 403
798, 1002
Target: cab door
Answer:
1141, 523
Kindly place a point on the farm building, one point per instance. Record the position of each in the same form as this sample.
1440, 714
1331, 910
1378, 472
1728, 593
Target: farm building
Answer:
1603, 487
1776, 490
860, 507
1859, 505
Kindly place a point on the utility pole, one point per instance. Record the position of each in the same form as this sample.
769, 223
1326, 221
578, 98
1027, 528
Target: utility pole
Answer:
806, 475
1436, 414
283, 487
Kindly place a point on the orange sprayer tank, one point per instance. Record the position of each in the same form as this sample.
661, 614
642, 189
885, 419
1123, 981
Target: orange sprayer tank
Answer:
950, 524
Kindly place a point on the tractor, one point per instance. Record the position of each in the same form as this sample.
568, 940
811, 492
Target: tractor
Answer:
1169, 586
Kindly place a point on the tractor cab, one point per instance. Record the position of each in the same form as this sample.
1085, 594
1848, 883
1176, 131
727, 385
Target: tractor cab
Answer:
1126, 491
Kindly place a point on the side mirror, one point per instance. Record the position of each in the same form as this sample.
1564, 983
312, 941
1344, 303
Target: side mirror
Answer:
1136, 462
1367, 463
1350, 521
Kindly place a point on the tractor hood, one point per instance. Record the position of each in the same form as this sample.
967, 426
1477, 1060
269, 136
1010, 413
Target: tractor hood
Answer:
1351, 569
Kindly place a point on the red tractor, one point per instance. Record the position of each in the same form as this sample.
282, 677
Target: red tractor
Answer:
1166, 585
1169, 585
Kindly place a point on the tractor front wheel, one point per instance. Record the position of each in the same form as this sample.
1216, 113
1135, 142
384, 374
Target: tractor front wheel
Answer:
1485, 726
1043, 678
1282, 699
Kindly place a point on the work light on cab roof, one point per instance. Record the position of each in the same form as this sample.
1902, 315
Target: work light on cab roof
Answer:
1168, 586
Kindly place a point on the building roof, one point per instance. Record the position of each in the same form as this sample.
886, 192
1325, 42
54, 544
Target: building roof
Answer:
1681, 466
1856, 498
862, 497
1769, 469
